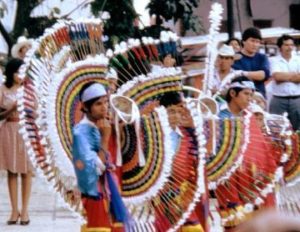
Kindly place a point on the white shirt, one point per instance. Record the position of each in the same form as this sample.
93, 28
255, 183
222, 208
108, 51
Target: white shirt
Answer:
279, 64
218, 83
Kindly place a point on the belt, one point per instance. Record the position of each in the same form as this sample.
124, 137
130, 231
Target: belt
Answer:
12, 119
288, 97
96, 198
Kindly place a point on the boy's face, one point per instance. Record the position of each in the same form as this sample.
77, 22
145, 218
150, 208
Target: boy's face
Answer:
169, 61
242, 99
225, 62
174, 115
251, 45
99, 108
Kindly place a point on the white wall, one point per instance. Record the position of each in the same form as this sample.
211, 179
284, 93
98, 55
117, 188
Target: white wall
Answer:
278, 10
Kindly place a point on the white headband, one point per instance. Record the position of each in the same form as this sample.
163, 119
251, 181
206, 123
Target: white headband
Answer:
243, 85
93, 91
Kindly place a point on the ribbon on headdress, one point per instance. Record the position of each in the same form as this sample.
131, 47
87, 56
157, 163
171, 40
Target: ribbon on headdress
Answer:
117, 206
128, 117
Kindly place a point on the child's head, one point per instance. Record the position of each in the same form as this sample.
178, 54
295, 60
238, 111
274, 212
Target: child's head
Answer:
240, 92
94, 99
172, 101
259, 99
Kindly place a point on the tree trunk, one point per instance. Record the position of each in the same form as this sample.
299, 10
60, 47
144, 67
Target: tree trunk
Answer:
6, 36
230, 18
243, 15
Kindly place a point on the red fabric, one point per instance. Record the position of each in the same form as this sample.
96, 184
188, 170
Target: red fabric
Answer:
258, 161
96, 214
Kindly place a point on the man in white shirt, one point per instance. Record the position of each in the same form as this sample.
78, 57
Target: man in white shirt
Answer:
285, 69
224, 73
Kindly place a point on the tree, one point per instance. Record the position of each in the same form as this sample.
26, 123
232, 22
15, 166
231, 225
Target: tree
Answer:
25, 24
122, 15
177, 10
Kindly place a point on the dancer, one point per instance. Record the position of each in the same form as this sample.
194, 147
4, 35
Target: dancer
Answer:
94, 170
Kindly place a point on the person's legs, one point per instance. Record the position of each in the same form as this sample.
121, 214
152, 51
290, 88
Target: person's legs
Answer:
278, 105
12, 181
26, 191
294, 113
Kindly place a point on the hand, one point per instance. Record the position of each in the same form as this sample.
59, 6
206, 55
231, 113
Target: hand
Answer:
105, 128
14, 106
270, 221
238, 73
295, 78
110, 167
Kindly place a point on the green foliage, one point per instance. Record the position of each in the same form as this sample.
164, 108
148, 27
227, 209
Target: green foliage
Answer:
176, 10
122, 13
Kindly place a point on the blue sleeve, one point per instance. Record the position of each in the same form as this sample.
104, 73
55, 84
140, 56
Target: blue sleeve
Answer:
265, 64
87, 177
259, 62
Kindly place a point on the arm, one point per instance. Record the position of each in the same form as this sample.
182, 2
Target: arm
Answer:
6, 113
255, 75
105, 130
270, 221
83, 153
260, 63
286, 77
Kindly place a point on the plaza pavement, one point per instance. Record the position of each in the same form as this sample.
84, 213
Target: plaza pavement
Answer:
45, 215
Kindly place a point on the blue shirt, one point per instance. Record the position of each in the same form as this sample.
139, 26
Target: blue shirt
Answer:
225, 113
258, 62
175, 138
85, 147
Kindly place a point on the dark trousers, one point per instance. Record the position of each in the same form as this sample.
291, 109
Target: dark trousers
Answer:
291, 105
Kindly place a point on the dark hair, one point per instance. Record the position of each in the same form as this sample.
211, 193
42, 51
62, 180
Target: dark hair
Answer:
236, 89
170, 98
11, 68
251, 32
233, 39
88, 104
283, 38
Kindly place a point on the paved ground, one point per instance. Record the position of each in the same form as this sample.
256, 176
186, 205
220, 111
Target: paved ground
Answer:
44, 216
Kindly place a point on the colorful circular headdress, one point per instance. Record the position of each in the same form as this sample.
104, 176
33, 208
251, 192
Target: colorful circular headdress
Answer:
48, 102
57, 66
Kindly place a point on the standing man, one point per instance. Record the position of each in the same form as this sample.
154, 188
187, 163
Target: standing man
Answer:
92, 162
286, 84
255, 65
224, 73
